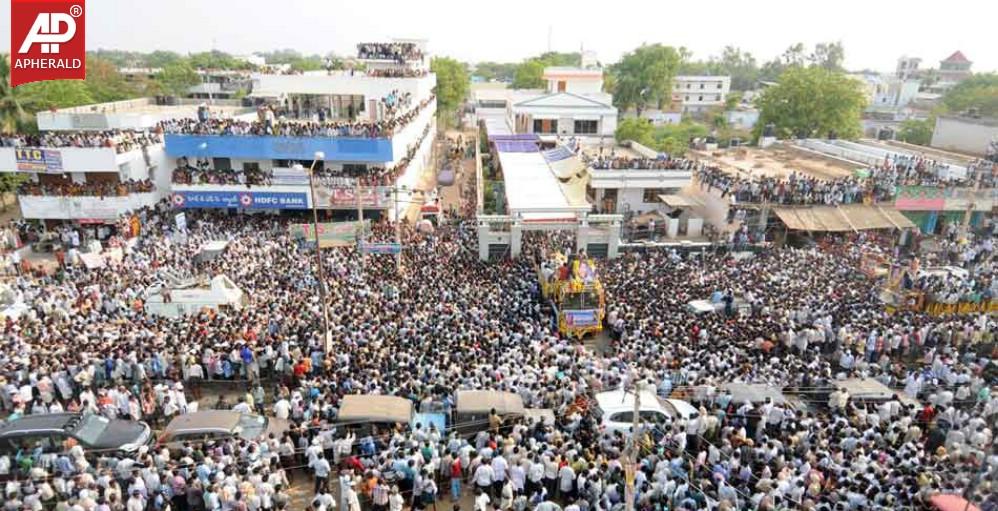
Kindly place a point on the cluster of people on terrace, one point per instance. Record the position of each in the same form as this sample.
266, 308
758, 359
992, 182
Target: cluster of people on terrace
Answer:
450, 322
798, 189
397, 72
917, 170
88, 189
120, 140
399, 52
270, 125
201, 172
616, 162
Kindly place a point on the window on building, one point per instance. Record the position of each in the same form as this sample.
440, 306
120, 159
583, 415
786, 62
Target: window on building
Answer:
700, 98
651, 194
545, 125
687, 98
720, 85
586, 127
353, 169
688, 85
717, 97
561, 86
221, 163
702, 85
251, 166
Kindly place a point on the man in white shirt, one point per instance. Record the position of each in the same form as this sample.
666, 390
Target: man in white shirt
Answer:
282, 409
499, 469
482, 500
484, 477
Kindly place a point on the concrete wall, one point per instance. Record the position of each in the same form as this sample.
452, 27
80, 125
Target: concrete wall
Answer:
76, 208
966, 136
343, 83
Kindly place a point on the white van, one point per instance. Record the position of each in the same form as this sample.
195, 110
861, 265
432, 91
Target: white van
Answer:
617, 409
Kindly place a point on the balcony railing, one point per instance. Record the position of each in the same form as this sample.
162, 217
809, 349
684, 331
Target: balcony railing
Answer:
83, 207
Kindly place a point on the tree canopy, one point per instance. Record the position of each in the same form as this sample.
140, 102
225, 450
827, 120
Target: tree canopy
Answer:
499, 71
980, 91
917, 131
176, 78
453, 82
812, 102
530, 73
643, 77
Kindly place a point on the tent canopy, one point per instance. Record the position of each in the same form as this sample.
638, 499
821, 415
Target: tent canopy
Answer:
483, 401
849, 217
375, 408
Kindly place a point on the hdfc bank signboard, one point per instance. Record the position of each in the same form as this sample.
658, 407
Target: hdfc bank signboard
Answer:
47, 40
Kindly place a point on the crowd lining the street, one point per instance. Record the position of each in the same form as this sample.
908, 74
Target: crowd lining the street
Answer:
794, 319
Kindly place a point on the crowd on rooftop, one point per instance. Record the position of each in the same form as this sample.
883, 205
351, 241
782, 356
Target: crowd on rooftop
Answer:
797, 189
446, 321
121, 141
615, 162
400, 72
270, 124
399, 52
87, 189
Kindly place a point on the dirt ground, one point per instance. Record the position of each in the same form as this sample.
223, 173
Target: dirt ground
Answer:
776, 162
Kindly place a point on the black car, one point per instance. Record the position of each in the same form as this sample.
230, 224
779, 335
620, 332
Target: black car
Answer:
52, 432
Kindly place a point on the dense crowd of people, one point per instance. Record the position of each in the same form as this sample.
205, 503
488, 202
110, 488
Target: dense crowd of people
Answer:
271, 125
87, 189
399, 72
795, 189
399, 52
616, 162
796, 320
121, 141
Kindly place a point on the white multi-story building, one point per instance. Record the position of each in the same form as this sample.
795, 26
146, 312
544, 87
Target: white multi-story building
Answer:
573, 104
385, 169
90, 164
695, 94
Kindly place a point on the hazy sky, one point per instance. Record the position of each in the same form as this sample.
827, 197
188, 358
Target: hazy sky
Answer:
875, 32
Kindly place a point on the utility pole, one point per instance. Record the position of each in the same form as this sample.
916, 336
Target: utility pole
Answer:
632, 451
360, 222
327, 333
398, 229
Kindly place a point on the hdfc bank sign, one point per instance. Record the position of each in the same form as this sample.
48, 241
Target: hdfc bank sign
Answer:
47, 40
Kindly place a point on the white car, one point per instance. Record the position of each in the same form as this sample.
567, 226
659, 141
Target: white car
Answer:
617, 409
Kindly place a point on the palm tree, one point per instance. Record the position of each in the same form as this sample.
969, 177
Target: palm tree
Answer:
12, 114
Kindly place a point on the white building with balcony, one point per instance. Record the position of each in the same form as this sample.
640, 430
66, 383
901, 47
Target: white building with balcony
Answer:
325, 97
635, 189
572, 105
109, 175
696, 94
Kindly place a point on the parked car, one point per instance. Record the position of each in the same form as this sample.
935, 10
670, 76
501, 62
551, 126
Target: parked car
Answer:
219, 425
364, 412
616, 409
57, 432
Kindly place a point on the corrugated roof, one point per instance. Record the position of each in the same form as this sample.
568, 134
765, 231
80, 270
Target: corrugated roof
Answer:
375, 408
957, 56
848, 217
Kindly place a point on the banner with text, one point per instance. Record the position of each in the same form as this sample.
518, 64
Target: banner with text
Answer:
381, 248
38, 160
580, 318
335, 197
332, 234
241, 200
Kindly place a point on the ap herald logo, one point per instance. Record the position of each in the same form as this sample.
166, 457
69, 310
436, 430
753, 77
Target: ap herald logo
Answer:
47, 40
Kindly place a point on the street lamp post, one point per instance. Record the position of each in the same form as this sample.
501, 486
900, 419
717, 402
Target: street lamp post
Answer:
327, 333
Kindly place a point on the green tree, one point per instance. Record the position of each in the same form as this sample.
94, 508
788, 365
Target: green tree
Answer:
529, 75
917, 132
310, 63
498, 71
644, 77
9, 181
636, 129
980, 91
13, 116
674, 139
176, 78
106, 83
733, 100
828, 55
161, 59
215, 59
52, 94
741, 66
812, 102
453, 82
